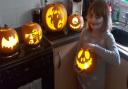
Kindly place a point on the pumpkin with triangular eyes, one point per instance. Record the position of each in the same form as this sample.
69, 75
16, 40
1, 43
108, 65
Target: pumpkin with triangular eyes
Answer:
9, 40
54, 17
86, 60
75, 22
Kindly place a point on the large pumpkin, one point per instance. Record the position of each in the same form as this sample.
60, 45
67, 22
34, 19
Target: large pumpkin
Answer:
85, 60
8, 40
54, 17
31, 34
75, 22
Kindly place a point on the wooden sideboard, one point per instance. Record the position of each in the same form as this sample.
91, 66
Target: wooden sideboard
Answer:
27, 67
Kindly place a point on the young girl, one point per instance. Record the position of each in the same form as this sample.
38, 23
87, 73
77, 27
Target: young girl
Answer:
97, 36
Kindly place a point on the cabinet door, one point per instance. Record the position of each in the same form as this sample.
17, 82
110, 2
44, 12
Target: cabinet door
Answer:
65, 77
117, 76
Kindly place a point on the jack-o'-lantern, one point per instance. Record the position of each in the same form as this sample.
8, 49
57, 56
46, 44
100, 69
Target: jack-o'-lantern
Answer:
8, 40
54, 17
31, 34
75, 22
86, 60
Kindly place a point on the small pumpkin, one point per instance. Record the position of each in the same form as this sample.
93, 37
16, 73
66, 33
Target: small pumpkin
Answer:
54, 17
9, 40
86, 60
31, 34
75, 22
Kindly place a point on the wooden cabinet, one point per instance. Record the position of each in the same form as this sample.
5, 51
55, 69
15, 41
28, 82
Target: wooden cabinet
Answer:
30, 69
65, 77
117, 76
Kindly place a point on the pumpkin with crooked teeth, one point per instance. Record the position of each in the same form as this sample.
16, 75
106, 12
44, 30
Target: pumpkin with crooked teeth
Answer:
9, 40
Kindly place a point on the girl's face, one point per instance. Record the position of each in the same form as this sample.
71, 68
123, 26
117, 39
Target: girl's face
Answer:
95, 23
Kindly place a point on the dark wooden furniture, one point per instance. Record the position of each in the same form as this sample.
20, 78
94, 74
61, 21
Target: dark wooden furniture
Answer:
27, 66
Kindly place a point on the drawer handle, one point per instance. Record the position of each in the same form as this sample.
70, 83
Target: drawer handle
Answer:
59, 63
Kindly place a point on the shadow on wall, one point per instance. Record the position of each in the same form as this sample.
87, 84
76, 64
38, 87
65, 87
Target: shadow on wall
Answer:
26, 17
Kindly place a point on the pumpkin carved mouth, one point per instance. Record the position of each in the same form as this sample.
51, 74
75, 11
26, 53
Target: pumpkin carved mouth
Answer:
85, 65
10, 42
76, 27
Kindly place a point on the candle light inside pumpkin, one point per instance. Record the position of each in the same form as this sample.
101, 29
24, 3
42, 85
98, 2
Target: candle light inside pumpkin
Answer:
76, 22
8, 40
31, 34
54, 17
86, 60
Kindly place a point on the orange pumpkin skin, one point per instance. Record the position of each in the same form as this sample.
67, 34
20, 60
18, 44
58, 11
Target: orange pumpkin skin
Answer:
31, 34
9, 40
86, 60
75, 22
54, 17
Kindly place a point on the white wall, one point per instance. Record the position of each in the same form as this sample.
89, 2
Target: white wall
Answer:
16, 12
67, 3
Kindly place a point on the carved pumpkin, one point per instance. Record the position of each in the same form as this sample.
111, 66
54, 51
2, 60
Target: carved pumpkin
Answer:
31, 34
75, 22
54, 17
8, 40
86, 60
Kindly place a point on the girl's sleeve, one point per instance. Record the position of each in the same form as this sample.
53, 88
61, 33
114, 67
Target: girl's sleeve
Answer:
111, 54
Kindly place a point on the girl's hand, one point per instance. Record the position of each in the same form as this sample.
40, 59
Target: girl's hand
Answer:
88, 45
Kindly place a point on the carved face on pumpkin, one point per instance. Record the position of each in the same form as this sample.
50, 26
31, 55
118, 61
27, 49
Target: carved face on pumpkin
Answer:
8, 40
31, 33
86, 60
54, 17
76, 22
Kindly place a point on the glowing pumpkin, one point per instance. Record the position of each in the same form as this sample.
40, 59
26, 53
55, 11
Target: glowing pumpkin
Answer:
75, 22
8, 40
86, 60
31, 34
54, 17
